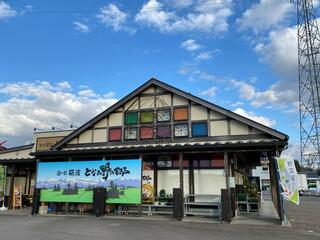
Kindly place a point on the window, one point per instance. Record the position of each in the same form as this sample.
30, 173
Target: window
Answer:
199, 129
164, 131
131, 118
146, 117
181, 114
131, 133
164, 164
163, 115
115, 134
146, 132
181, 130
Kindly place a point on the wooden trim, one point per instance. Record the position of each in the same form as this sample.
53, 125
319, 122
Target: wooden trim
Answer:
181, 172
191, 177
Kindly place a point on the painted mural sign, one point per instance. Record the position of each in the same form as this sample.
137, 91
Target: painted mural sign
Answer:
289, 179
75, 181
147, 185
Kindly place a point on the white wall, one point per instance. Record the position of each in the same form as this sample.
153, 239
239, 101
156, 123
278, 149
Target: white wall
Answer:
209, 181
169, 179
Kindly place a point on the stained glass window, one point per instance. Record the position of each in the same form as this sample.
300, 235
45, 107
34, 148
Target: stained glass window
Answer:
131, 118
131, 133
164, 131
180, 114
146, 132
163, 115
217, 160
146, 117
181, 130
115, 134
199, 129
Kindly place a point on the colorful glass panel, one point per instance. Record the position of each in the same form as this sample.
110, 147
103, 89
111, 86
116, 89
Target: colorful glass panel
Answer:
115, 134
180, 114
163, 115
181, 130
199, 129
217, 160
131, 118
146, 117
131, 133
164, 131
146, 132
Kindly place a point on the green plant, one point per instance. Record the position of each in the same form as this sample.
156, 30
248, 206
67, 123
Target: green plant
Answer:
162, 197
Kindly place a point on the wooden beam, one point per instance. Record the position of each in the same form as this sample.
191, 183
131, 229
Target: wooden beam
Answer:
11, 189
181, 171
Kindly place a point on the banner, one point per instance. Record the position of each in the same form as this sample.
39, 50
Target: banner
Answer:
75, 181
2, 181
147, 185
17, 198
289, 180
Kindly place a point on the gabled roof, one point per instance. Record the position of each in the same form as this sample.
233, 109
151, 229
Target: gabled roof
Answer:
181, 93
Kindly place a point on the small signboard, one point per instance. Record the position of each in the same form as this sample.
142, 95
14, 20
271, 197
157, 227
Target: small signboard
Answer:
45, 143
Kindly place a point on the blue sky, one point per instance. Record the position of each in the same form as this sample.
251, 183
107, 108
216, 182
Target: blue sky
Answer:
63, 62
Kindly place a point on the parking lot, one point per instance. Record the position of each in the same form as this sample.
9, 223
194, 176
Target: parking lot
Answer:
306, 215
304, 220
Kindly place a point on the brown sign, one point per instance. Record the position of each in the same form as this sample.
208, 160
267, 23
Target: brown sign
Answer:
17, 201
44, 144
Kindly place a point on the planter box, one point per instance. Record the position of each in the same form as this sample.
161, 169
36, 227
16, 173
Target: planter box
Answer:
43, 210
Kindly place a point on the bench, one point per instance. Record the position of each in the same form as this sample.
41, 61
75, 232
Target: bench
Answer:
202, 205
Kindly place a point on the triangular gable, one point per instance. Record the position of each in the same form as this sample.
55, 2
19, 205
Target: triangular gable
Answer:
199, 110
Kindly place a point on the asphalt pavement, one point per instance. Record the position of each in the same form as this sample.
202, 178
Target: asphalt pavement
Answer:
85, 228
306, 216
303, 220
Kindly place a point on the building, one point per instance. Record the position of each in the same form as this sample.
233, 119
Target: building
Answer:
264, 177
183, 142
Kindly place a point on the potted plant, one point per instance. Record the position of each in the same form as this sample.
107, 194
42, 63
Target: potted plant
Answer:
162, 198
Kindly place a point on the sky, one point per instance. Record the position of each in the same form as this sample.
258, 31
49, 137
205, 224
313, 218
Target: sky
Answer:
62, 62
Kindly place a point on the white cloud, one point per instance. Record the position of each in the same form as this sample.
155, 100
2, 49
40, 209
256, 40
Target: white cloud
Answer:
251, 115
292, 152
81, 27
275, 96
265, 15
281, 53
203, 56
190, 45
152, 14
6, 11
43, 105
111, 16
210, 92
